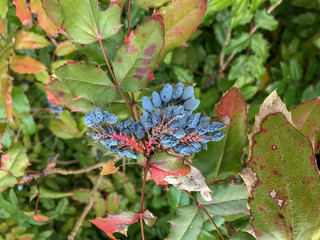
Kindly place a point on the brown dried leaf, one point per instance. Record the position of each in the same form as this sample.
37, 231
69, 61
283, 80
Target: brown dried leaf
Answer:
109, 168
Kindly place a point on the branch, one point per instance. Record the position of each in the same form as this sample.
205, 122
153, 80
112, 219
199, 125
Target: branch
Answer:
86, 209
142, 197
205, 211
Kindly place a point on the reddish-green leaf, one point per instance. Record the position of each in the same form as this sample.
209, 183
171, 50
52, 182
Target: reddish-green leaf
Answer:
44, 22
285, 197
116, 223
87, 81
181, 19
53, 10
25, 64
306, 117
13, 165
30, 40
147, 4
137, 57
113, 201
148, 218
23, 12
223, 158
64, 48
86, 23
5, 96
164, 164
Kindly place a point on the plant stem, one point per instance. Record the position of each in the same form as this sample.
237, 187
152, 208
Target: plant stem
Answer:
129, 5
142, 197
134, 104
205, 211
114, 78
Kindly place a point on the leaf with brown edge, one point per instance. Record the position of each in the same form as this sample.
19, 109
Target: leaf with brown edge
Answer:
30, 40
23, 12
164, 164
116, 223
5, 96
25, 64
285, 198
181, 18
109, 168
306, 119
223, 158
137, 58
64, 48
44, 22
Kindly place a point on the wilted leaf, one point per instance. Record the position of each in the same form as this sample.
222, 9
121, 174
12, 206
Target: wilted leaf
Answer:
147, 4
284, 201
64, 48
186, 224
305, 118
86, 23
181, 18
44, 22
137, 57
86, 81
148, 218
23, 12
13, 165
30, 40
163, 164
109, 168
193, 181
25, 64
116, 223
223, 158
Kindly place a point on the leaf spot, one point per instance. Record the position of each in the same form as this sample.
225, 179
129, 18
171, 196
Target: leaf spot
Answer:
280, 202
273, 193
274, 147
149, 51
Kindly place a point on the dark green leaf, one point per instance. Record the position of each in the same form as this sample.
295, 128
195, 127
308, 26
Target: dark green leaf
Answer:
238, 43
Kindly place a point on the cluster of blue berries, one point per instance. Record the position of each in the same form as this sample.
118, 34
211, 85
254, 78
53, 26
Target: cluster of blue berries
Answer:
168, 123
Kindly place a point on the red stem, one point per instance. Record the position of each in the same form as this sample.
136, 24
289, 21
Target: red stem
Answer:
129, 4
114, 78
205, 211
134, 104
142, 197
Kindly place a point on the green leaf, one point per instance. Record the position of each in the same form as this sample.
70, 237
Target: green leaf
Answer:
241, 236
295, 70
256, 66
48, 193
249, 91
183, 75
20, 103
147, 4
304, 4
255, 4
240, 13
177, 198
86, 23
286, 193
217, 5
306, 19
3, 8
238, 67
306, 119
260, 46
265, 21
87, 81
238, 43
13, 165
223, 158
286, 72
28, 126
186, 224
181, 18
137, 57
228, 200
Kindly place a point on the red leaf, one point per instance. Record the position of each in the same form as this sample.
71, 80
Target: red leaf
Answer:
47, 25
40, 219
116, 223
25, 64
23, 12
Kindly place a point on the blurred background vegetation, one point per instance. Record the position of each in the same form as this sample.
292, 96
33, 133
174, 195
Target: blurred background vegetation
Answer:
259, 45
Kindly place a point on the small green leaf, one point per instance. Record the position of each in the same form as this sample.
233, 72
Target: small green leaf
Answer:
47, 193
255, 4
147, 4
20, 103
240, 13
28, 126
306, 19
183, 75
186, 224
241, 236
217, 5
256, 67
265, 21
295, 70
260, 46
286, 72
177, 198
238, 43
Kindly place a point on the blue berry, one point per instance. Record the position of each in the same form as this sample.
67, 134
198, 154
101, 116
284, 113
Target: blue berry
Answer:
193, 120
156, 100
216, 137
98, 114
178, 90
216, 126
188, 93
147, 104
166, 93
179, 112
191, 104
89, 119
111, 118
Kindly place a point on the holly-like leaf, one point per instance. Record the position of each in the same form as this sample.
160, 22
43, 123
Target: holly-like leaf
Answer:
86, 23
186, 224
193, 181
5, 96
285, 200
25, 64
13, 165
30, 40
306, 119
181, 18
147, 4
164, 164
87, 81
44, 22
109, 168
116, 223
138, 56
23, 12
223, 158
64, 48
